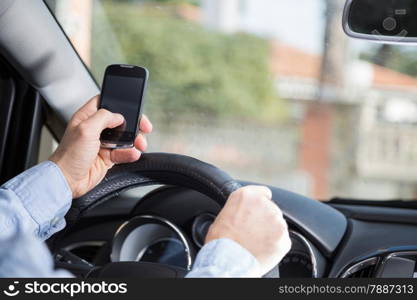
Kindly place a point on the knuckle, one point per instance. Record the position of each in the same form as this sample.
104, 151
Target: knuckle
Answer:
266, 191
104, 112
279, 215
287, 245
83, 129
235, 194
280, 218
233, 198
72, 121
254, 192
245, 192
273, 213
287, 241
283, 224
286, 232
281, 228
277, 212
284, 242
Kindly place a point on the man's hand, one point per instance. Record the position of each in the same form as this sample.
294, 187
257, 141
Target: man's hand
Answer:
79, 156
251, 219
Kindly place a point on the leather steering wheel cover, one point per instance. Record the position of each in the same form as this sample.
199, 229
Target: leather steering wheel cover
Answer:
157, 168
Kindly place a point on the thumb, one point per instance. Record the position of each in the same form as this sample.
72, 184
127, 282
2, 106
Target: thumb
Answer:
103, 119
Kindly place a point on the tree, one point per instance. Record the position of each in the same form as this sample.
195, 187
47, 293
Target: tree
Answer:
193, 71
334, 52
400, 59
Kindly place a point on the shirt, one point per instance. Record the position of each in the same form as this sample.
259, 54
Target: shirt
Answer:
32, 208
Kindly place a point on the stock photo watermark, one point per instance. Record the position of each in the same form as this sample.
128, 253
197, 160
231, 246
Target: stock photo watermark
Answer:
64, 288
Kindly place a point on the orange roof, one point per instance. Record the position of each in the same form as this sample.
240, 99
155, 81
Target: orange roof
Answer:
292, 62
189, 12
384, 77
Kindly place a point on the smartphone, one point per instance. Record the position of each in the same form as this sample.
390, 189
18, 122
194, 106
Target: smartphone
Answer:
123, 92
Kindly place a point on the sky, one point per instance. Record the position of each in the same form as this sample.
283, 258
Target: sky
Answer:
299, 23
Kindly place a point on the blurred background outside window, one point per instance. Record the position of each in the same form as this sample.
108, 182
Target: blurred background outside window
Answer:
272, 91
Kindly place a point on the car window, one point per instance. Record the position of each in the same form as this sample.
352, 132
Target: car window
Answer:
270, 91
47, 145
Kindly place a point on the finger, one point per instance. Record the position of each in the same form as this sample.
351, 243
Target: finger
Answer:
141, 143
145, 125
122, 156
101, 120
256, 190
86, 111
264, 191
91, 106
105, 154
273, 207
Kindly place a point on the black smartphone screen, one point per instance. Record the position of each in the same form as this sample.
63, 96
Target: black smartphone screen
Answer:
123, 95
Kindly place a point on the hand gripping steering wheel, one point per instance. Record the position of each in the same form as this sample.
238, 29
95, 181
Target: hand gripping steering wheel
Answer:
152, 168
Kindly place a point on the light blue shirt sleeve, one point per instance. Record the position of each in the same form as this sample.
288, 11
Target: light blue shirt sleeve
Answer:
40, 197
224, 258
32, 208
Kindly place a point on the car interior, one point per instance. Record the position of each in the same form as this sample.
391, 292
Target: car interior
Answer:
150, 218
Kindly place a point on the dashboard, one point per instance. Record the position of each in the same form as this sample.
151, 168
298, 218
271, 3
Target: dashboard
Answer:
151, 239
154, 239
167, 225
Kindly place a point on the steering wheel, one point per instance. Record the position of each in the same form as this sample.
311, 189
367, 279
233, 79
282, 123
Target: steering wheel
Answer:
152, 168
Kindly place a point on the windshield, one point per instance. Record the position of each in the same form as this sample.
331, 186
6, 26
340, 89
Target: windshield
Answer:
271, 91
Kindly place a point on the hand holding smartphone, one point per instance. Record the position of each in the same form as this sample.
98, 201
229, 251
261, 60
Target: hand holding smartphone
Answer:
123, 92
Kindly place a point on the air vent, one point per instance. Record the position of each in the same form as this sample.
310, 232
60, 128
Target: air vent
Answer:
86, 250
367, 272
363, 269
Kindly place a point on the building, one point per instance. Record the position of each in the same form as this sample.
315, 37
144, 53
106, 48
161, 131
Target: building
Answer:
383, 149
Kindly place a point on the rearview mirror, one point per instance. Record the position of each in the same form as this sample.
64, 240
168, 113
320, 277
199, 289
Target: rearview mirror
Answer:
392, 21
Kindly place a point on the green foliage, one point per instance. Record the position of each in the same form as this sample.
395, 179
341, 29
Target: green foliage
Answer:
193, 2
193, 70
400, 59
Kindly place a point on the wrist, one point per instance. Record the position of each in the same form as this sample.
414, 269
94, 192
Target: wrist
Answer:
65, 175
225, 258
